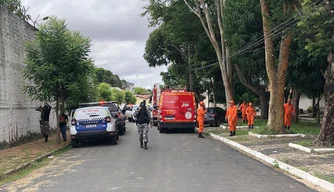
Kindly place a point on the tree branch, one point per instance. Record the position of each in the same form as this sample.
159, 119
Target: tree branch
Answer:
254, 88
192, 10
208, 21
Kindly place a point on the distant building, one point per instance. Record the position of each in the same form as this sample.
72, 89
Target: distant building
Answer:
129, 86
142, 97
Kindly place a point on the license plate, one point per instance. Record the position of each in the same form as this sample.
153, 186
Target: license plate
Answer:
90, 126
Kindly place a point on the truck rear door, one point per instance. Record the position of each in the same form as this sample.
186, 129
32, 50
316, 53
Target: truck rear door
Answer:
186, 107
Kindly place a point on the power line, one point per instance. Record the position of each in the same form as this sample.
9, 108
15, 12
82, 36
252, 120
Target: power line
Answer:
274, 32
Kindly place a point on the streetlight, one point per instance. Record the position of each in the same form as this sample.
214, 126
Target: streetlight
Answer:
36, 21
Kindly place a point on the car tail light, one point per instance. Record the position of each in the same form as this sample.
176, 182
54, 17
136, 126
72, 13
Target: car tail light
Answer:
73, 122
108, 119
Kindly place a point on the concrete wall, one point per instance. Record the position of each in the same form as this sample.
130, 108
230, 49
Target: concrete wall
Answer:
17, 111
305, 103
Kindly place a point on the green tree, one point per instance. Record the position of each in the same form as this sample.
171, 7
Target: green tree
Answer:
140, 90
179, 42
129, 98
56, 62
210, 14
106, 76
88, 93
240, 28
105, 92
17, 8
118, 96
316, 29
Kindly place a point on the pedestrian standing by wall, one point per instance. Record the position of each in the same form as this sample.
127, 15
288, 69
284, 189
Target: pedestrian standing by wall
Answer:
200, 118
251, 113
143, 117
44, 121
62, 125
232, 117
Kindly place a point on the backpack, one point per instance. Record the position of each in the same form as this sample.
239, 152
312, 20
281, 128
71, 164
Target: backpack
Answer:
142, 117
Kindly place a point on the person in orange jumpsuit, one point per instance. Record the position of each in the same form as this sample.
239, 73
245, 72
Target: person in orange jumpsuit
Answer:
232, 117
288, 111
200, 118
251, 113
243, 108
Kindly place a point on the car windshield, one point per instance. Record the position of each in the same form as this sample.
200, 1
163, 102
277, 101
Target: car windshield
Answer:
88, 113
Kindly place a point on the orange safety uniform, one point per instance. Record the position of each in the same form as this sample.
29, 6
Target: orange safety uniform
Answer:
243, 107
288, 110
251, 113
232, 116
200, 118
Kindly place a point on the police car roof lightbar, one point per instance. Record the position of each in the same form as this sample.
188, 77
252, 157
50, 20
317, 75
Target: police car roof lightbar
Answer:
97, 103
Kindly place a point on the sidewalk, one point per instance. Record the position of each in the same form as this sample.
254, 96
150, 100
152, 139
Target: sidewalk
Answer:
12, 158
320, 165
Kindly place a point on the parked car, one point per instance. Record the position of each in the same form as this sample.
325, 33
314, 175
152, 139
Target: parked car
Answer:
128, 113
134, 109
214, 116
114, 110
93, 123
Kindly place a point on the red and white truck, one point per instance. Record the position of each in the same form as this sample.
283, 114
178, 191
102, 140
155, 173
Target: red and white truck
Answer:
176, 109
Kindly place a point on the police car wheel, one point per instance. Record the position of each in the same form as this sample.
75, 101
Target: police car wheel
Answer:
161, 130
113, 140
74, 143
121, 130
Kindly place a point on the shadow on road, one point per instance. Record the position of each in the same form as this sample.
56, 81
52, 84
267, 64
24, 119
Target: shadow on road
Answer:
96, 143
178, 131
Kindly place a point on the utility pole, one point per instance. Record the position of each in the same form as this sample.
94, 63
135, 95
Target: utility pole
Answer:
189, 71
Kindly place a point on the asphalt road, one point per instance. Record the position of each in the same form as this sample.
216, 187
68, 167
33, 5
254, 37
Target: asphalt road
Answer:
174, 162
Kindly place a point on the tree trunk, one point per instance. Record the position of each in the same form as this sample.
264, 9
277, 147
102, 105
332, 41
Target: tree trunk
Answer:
295, 103
326, 135
264, 105
276, 73
229, 69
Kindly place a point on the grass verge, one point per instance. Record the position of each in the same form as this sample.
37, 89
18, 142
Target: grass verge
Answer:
325, 177
226, 131
33, 166
307, 128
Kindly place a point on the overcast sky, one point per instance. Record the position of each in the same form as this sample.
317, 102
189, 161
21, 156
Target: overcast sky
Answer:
117, 31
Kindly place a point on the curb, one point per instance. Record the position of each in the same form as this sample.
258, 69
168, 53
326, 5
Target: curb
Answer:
301, 148
238, 127
309, 150
275, 136
17, 169
283, 166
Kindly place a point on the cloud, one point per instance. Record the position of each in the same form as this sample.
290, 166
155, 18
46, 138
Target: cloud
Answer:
117, 31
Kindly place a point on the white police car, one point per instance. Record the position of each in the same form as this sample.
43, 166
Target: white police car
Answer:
93, 123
